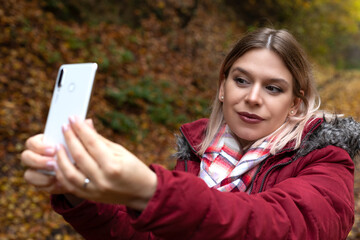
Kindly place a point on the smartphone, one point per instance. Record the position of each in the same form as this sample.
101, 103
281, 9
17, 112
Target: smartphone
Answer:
70, 97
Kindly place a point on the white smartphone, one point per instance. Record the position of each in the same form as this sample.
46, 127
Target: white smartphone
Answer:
71, 97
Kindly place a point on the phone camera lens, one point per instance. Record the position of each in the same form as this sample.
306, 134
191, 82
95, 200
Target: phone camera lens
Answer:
60, 77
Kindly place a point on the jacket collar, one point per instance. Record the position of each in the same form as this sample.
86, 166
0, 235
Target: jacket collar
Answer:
340, 132
194, 132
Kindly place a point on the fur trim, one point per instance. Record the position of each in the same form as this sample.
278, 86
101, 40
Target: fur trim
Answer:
339, 132
184, 150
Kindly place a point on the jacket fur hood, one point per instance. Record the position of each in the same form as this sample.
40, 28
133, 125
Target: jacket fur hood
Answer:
340, 132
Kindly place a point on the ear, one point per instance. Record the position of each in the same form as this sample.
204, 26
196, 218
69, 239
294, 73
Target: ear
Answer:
296, 104
222, 91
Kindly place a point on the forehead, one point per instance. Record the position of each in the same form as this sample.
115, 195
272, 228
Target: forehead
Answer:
263, 63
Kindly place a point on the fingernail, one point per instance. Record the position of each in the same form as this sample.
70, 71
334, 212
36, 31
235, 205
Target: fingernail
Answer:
72, 119
57, 147
90, 123
51, 166
50, 150
65, 127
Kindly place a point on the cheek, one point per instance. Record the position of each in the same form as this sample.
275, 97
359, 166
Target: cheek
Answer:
229, 102
232, 93
227, 110
280, 113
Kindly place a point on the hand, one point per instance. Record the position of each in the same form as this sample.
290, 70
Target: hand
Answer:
39, 156
115, 174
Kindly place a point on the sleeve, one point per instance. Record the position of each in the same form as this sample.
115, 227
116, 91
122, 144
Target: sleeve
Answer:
315, 203
97, 221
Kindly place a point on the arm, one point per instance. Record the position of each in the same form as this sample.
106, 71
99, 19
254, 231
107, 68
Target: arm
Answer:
317, 203
92, 220
117, 178
97, 220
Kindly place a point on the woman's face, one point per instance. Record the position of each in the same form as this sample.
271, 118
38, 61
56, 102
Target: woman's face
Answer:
257, 95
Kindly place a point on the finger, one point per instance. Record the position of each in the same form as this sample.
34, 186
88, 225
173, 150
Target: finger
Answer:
50, 189
90, 123
64, 186
37, 179
37, 145
53, 189
33, 160
90, 140
82, 158
111, 144
68, 175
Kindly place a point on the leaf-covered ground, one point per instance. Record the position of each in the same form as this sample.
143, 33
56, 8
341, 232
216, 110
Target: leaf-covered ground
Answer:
33, 44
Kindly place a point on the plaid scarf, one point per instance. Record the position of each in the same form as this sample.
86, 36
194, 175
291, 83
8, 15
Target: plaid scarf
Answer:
224, 166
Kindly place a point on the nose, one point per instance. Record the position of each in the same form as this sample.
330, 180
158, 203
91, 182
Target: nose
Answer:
253, 97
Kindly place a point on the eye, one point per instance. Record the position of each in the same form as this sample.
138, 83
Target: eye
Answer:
241, 81
274, 89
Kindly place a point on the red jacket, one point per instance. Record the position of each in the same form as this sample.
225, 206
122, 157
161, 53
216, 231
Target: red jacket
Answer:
302, 194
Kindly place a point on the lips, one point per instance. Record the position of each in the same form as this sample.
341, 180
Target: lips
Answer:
250, 118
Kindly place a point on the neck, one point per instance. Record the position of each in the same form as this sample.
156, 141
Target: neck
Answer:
245, 144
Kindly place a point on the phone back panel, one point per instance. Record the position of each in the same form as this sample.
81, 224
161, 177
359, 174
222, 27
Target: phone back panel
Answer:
70, 98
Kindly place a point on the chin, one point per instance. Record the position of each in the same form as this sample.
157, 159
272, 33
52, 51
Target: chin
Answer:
247, 135
245, 139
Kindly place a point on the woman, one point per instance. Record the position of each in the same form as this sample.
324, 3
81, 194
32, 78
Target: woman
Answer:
264, 166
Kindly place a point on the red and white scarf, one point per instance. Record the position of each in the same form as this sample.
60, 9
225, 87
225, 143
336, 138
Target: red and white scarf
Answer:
226, 168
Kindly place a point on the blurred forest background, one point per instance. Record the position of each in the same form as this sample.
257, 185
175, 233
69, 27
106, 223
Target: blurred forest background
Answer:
158, 67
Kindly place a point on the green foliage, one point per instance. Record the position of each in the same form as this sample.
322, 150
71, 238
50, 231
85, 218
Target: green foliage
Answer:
100, 57
89, 11
159, 100
123, 56
325, 27
121, 123
130, 12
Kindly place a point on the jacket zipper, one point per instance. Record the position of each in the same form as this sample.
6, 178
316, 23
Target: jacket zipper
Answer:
285, 163
256, 173
268, 172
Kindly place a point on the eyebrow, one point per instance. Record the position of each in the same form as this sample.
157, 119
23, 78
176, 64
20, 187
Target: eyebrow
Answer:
249, 75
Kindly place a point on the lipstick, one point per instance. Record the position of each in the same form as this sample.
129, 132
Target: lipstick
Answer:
250, 118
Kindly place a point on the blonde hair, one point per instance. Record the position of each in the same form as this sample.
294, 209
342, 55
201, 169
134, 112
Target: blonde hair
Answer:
284, 45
